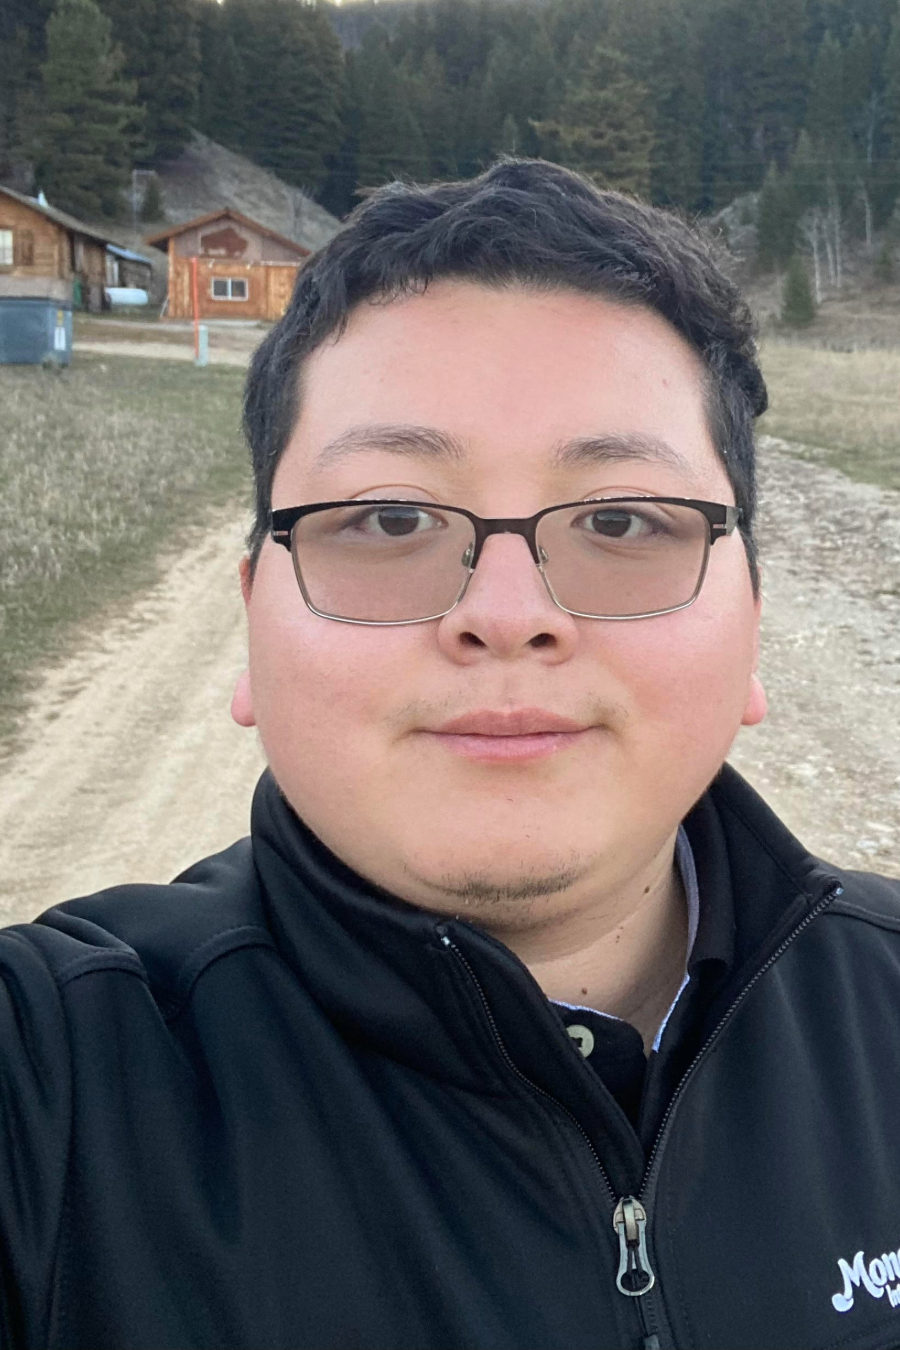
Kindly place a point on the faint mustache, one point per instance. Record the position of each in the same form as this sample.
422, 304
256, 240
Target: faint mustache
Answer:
512, 722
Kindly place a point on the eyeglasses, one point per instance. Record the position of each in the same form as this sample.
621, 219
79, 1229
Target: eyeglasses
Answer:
370, 561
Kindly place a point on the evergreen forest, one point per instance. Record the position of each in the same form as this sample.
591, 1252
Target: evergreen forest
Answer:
690, 103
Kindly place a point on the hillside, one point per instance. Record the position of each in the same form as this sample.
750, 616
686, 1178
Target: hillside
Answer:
206, 176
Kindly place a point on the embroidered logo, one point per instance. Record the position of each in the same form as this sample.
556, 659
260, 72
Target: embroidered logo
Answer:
875, 1278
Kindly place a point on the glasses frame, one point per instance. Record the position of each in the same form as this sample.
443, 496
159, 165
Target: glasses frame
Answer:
721, 520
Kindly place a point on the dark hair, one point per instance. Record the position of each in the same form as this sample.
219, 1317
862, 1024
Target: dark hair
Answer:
522, 222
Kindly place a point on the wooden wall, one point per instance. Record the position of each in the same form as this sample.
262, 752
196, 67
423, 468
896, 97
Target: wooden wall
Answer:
37, 238
269, 288
257, 245
42, 248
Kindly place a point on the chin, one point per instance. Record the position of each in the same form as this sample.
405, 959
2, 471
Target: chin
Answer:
497, 878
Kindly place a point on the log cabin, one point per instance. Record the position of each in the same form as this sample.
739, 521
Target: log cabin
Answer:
48, 253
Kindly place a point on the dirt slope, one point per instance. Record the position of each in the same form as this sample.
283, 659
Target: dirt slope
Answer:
131, 768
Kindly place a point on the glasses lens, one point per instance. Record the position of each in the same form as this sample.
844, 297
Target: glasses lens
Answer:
382, 562
623, 559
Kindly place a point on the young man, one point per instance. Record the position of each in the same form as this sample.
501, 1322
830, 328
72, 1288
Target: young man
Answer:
519, 1021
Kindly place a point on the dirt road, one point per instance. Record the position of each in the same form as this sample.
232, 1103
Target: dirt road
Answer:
130, 767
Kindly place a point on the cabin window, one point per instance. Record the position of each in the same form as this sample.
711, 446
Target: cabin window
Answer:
229, 288
6, 248
23, 248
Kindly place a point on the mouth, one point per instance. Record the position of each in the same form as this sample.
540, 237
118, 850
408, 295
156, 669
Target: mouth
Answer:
521, 734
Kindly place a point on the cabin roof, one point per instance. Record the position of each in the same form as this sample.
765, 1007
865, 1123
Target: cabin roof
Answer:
161, 239
128, 254
62, 218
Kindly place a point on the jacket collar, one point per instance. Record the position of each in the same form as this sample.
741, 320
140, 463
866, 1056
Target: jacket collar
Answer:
414, 985
751, 869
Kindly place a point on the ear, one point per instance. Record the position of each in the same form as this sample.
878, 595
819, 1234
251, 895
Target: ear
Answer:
242, 698
246, 580
242, 701
757, 704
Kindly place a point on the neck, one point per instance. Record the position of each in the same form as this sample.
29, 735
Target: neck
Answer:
622, 954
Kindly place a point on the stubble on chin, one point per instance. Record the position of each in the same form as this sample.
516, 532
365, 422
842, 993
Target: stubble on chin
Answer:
511, 900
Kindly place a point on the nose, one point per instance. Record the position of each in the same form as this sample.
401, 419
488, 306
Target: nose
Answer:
507, 611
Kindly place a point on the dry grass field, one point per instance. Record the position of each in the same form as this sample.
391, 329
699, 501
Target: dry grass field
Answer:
842, 407
101, 466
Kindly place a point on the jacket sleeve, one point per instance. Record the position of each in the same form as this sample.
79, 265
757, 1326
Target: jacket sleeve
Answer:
35, 1115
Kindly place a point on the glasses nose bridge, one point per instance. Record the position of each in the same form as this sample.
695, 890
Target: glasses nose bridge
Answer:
524, 526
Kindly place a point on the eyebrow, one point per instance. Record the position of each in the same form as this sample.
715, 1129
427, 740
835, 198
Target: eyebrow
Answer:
431, 443
399, 439
615, 446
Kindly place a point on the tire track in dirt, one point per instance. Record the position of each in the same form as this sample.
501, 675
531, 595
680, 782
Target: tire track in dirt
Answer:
130, 768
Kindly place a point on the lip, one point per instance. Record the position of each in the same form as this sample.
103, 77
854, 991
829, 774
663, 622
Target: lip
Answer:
516, 722
522, 734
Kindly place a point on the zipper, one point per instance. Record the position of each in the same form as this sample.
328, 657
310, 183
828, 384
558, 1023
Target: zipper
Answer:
634, 1264
698, 1059
635, 1276
508, 1061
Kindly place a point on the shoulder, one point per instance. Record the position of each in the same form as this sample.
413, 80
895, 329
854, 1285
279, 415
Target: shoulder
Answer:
164, 935
868, 897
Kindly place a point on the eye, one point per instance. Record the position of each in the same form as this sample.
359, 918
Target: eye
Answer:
395, 522
617, 523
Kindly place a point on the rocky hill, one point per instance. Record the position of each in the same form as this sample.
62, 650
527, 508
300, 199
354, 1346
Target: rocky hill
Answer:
207, 176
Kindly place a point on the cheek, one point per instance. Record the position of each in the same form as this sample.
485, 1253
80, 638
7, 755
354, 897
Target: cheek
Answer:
688, 676
320, 689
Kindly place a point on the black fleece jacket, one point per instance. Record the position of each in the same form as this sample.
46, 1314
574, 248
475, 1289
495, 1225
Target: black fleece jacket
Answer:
268, 1107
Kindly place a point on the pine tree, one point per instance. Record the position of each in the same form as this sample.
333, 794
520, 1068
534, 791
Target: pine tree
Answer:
776, 68
667, 63
778, 214
15, 105
294, 84
162, 55
863, 114
391, 144
152, 206
221, 111
91, 119
434, 107
603, 127
886, 265
825, 106
798, 308
889, 186
171, 86
22, 49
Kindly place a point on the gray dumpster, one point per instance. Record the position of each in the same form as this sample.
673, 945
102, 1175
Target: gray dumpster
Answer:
35, 329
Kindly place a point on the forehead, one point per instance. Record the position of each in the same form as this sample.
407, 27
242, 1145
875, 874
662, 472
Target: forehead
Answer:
497, 374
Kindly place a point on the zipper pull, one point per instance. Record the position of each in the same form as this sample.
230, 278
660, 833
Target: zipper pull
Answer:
630, 1222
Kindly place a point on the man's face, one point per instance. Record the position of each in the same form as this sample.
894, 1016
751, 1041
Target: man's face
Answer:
351, 717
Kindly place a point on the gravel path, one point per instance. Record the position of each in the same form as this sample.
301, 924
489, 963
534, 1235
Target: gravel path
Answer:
163, 351
828, 755
130, 767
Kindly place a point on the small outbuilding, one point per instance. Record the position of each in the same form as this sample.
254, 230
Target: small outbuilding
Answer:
232, 267
45, 252
127, 269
